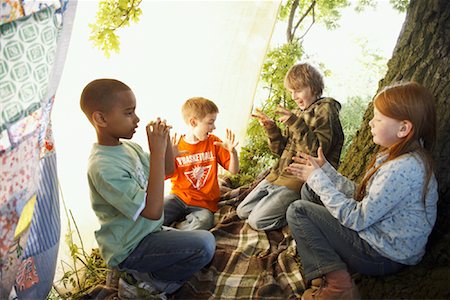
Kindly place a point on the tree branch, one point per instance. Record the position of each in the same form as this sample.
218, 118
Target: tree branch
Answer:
310, 25
127, 14
311, 7
289, 33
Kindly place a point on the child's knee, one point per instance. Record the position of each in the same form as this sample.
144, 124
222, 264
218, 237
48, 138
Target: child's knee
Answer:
295, 210
242, 212
290, 212
257, 223
211, 244
208, 244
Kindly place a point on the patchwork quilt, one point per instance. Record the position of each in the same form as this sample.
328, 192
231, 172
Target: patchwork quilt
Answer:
34, 38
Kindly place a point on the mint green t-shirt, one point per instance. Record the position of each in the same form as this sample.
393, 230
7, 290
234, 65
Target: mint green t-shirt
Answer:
118, 178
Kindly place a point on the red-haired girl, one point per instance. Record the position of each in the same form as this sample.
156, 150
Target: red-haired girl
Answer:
383, 224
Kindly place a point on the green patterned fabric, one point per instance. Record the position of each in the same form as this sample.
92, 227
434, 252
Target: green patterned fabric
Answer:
33, 44
27, 52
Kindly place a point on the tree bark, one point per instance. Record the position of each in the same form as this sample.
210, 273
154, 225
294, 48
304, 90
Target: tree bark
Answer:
421, 55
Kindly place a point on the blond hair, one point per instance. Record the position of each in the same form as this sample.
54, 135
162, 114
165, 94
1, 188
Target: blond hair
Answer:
304, 75
198, 107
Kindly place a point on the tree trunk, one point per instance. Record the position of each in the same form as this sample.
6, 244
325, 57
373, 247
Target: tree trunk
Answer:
421, 55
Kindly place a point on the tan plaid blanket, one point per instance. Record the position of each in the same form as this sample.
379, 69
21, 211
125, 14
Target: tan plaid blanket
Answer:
248, 264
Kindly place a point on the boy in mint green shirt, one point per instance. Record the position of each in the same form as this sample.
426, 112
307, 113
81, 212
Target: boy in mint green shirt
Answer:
127, 190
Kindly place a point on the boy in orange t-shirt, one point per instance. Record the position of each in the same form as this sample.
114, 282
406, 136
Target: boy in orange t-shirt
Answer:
195, 188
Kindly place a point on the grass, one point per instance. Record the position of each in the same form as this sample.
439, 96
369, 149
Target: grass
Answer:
85, 270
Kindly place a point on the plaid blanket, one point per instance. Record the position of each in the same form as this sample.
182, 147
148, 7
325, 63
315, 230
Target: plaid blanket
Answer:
248, 264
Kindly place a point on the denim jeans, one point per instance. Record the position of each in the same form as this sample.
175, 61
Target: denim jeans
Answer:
192, 217
169, 257
265, 206
307, 193
324, 245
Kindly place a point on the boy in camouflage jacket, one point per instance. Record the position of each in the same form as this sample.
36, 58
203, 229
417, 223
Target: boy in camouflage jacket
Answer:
315, 123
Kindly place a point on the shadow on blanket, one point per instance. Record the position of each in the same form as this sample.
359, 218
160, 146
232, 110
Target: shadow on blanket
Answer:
248, 264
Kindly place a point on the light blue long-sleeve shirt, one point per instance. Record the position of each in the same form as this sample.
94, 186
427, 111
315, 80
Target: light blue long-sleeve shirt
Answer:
392, 217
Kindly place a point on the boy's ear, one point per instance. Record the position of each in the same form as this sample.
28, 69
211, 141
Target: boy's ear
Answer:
405, 129
193, 122
98, 119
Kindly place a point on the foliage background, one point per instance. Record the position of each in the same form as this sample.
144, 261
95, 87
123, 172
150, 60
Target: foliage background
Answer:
299, 17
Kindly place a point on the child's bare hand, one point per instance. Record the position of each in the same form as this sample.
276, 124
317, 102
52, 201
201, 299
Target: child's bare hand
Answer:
263, 119
305, 164
175, 141
284, 113
157, 135
229, 143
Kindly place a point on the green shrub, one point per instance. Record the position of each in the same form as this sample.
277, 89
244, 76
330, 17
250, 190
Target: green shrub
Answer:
351, 115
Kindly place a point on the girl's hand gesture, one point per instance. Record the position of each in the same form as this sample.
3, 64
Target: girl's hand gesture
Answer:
229, 143
263, 119
284, 113
304, 165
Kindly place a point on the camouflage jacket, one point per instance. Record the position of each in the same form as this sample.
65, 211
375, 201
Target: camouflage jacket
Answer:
318, 125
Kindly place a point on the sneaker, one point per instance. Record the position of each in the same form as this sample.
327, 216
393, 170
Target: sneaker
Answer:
138, 290
112, 278
161, 285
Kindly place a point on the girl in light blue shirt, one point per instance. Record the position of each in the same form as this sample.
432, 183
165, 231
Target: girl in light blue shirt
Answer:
381, 225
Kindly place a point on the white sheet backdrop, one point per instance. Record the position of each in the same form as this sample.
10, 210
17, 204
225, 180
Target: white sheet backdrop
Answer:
178, 50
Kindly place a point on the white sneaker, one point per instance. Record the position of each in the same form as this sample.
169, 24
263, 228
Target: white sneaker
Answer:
139, 290
167, 287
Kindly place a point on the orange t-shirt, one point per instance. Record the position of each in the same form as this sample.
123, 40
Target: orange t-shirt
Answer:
195, 178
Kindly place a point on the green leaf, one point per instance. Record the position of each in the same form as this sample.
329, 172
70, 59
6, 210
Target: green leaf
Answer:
111, 16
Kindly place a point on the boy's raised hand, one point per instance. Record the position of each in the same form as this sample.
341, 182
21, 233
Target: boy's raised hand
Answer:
157, 135
175, 140
304, 165
229, 143
263, 119
284, 113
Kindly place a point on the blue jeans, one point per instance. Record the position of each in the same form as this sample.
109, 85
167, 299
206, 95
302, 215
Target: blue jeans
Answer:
324, 245
192, 217
265, 206
306, 193
168, 258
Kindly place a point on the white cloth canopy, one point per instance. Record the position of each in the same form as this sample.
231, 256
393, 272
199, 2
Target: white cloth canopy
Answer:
178, 50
